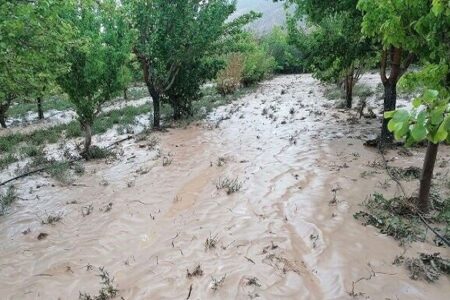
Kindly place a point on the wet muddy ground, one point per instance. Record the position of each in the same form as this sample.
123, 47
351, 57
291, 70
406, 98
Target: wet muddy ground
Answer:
155, 214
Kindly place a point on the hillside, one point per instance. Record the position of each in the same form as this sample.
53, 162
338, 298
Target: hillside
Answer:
273, 13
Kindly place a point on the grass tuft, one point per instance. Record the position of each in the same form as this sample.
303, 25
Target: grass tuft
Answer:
7, 199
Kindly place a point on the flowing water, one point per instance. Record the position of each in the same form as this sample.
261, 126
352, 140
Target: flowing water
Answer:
291, 225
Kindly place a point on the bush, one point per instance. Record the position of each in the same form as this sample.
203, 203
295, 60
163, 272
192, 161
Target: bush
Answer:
258, 66
229, 79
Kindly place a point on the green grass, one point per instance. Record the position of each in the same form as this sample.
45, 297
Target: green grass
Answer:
6, 160
62, 103
6, 199
363, 91
28, 144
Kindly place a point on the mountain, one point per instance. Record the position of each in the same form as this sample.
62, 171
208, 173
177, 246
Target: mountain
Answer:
273, 14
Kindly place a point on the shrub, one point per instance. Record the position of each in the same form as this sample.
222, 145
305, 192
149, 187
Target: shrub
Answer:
258, 65
7, 199
287, 57
229, 79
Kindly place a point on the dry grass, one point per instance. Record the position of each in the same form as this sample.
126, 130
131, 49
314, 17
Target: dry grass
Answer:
229, 79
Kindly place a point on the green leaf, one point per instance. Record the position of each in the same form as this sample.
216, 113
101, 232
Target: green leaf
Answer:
418, 133
441, 134
401, 115
389, 114
430, 95
437, 116
417, 102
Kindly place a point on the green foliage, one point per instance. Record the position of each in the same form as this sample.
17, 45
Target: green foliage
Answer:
391, 21
430, 117
182, 53
287, 57
98, 62
427, 266
393, 217
98, 153
258, 65
6, 160
33, 37
6, 199
333, 46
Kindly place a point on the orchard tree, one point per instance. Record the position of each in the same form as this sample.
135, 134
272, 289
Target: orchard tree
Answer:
33, 36
176, 40
392, 23
429, 120
334, 49
98, 62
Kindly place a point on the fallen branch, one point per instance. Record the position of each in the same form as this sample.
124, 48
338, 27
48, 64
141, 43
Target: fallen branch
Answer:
190, 291
442, 238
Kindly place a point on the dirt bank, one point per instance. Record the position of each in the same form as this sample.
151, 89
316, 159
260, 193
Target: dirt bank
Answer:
291, 225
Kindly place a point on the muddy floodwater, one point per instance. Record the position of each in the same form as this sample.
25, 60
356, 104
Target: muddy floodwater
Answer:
156, 213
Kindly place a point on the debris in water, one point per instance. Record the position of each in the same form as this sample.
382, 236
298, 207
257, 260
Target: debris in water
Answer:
216, 284
42, 236
198, 272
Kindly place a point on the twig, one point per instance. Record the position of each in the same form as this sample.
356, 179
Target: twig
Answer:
434, 231
250, 260
190, 291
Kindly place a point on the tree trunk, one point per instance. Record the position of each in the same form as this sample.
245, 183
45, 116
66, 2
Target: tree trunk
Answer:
87, 137
3, 109
176, 110
349, 91
390, 90
390, 103
152, 91
2, 118
39, 107
156, 107
125, 94
427, 175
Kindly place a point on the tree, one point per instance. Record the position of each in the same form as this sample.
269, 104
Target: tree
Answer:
32, 40
172, 36
288, 58
98, 61
429, 119
391, 22
334, 48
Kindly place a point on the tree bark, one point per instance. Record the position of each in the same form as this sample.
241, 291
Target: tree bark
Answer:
39, 107
349, 91
424, 202
154, 93
390, 89
87, 128
156, 111
389, 104
2, 119
3, 109
156, 97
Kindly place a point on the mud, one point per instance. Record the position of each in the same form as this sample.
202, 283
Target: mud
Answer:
289, 233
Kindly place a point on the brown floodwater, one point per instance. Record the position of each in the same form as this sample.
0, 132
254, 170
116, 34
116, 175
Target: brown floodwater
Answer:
291, 225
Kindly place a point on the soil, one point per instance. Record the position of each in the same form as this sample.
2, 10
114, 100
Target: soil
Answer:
290, 228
